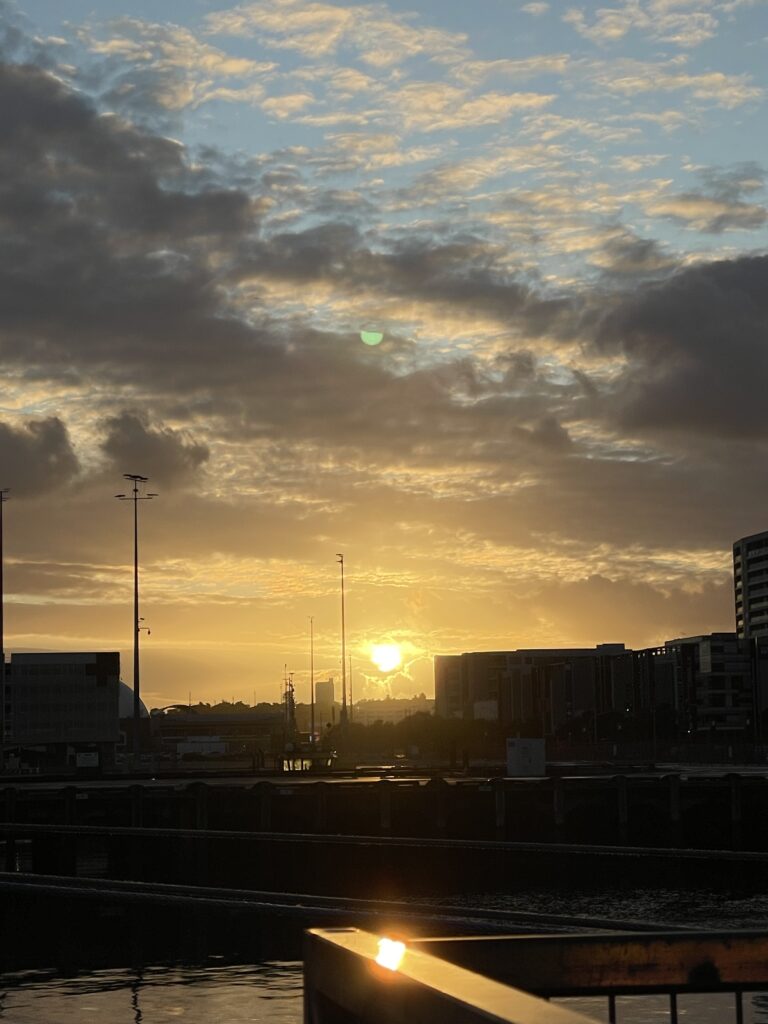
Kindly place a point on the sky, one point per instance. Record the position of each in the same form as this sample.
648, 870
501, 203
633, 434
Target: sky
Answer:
554, 216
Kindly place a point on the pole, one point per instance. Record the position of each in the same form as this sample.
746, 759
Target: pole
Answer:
311, 679
136, 623
3, 499
343, 717
135, 497
351, 702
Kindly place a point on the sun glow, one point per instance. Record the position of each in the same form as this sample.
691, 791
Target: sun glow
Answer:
390, 954
386, 657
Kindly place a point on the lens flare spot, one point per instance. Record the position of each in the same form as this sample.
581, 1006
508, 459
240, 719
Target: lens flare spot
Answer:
390, 954
386, 657
371, 337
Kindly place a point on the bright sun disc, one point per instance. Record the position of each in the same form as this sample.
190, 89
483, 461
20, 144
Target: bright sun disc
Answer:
386, 657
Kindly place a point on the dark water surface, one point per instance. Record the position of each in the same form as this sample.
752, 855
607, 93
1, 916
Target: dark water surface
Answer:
157, 995
218, 993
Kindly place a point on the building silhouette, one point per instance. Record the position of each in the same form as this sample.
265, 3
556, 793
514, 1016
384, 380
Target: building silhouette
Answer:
750, 585
63, 709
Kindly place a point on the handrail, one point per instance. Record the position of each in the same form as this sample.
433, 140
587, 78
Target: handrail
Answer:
619, 963
345, 979
334, 839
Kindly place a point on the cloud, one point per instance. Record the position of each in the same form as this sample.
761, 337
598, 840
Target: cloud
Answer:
288, 105
473, 71
438, 106
538, 412
164, 455
371, 31
149, 68
631, 77
695, 351
37, 456
657, 18
705, 213
721, 205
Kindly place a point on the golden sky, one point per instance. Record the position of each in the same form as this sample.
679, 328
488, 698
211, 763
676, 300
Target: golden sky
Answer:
555, 219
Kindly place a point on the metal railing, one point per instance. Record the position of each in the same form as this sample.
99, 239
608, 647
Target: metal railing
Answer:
464, 978
354, 976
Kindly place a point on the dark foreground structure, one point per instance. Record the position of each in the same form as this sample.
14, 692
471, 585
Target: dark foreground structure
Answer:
705, 808
352, 975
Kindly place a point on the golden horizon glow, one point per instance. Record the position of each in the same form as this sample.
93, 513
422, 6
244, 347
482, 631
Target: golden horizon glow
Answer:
386, 657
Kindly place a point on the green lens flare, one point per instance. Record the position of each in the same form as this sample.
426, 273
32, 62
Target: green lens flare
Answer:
371, 337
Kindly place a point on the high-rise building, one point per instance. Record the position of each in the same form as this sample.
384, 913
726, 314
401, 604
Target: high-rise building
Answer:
750, 583
325, 712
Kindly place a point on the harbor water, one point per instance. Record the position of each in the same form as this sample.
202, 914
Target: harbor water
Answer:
271, 992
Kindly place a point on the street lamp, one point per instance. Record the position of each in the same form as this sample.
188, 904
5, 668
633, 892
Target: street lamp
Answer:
135, 497
312, 680
3, 499
343, 717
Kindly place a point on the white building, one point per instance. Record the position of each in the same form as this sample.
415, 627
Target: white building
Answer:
750, 584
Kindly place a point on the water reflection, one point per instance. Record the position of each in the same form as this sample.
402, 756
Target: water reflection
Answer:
137, 1014
268, 992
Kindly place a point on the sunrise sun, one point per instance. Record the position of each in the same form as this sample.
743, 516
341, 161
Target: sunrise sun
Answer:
386, 657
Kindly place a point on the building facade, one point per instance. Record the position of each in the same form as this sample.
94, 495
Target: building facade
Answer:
750, 584
63, 709
325, 710
538, 688
715, 683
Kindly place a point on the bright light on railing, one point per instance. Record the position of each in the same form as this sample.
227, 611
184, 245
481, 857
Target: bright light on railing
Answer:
390, 954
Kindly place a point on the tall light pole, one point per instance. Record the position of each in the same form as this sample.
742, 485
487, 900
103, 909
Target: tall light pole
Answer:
351, 702
343, 716
3, 499
312, 680
135, 497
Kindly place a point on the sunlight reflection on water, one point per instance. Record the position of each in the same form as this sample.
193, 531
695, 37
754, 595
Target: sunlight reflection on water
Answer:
157, 995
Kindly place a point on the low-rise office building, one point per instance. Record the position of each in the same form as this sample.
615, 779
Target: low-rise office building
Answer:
714, 683
62, 709
537, 688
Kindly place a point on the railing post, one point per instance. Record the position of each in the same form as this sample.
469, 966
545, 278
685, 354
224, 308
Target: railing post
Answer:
70, 805
137, 806
438, 793
500, 807
623, 808
265, 805
734, 785
201, 805
385, 806
10, 839
558, 803
673, 782
321, 806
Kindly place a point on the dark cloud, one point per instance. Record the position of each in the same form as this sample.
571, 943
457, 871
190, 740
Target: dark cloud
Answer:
626, 254
164, 455
37, 457
696, 350
723, 202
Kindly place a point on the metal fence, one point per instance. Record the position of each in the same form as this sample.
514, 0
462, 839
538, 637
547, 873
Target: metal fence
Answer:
511, 978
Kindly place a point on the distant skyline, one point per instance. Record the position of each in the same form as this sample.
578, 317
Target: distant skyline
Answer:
554, 215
